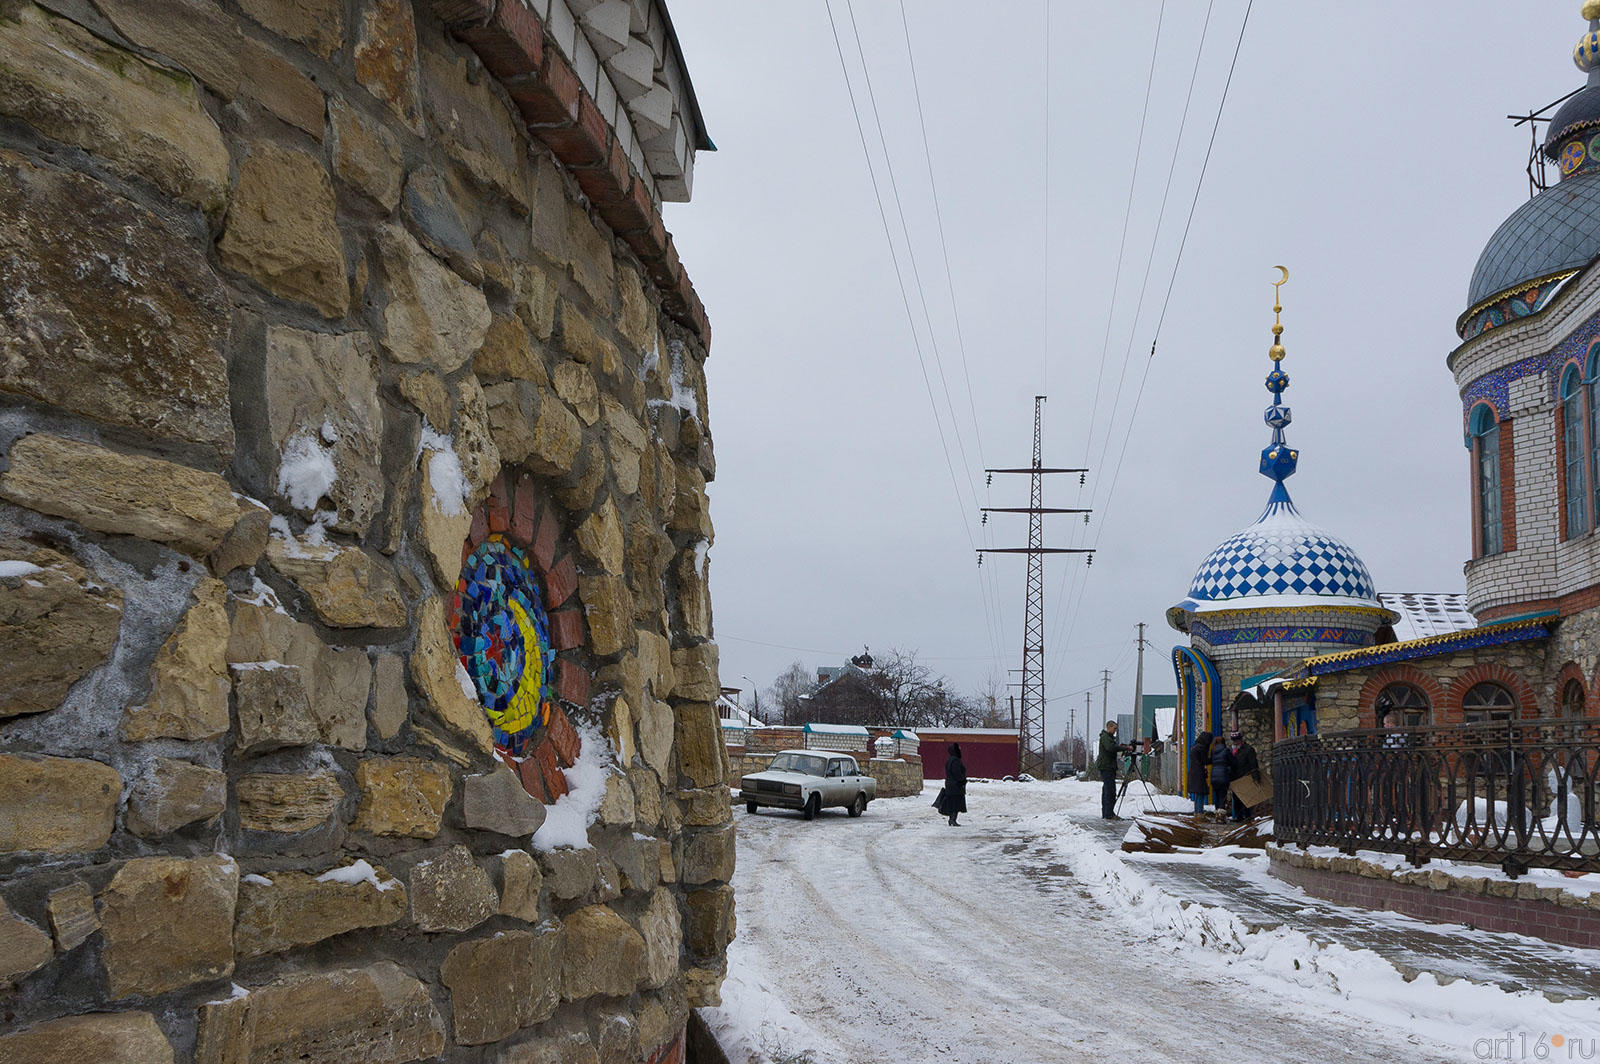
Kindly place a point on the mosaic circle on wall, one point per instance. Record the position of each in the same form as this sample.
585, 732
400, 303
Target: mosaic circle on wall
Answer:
503, 638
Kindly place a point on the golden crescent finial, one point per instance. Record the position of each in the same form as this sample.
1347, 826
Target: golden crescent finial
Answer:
1277, 352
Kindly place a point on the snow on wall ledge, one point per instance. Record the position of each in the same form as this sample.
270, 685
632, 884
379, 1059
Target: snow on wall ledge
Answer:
333, 272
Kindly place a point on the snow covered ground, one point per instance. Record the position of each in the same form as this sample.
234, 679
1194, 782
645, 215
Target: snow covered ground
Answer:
1022, 936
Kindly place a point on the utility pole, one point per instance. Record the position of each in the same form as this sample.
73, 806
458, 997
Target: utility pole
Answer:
1138, 689
1086, 712
1105, 693
1030, 726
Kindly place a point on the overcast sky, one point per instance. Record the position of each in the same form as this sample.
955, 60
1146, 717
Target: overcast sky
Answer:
1363, 145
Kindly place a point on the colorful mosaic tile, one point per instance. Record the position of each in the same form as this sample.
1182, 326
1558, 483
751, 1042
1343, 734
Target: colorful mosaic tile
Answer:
503, 637
1295, 634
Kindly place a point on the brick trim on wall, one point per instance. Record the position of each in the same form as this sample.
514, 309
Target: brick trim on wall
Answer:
1566, 605
559, 112
1546, 920
1366, 712
1561, 467
1489, 672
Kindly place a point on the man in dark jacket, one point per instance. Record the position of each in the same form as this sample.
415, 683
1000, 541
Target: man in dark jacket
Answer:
1105, 763
953, 796
1244, 763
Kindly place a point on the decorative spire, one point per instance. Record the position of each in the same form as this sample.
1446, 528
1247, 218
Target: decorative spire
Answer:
1278, 460
1587, 54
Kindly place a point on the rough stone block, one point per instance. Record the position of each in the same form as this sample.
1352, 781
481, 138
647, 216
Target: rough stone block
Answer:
55, 625
616, 808
288, 802
172, 794
540, 432
509, 354
432, 315
365, 154
661, 927
657, 728
56, 804
168, 923
72, 915
571, 874
189, 680
379, 1014
385, 57
449, 892
112, 295
519, 881
608, 607
245, 542
707, 856
123, 1037
500, 984
286, 910
437, 673
273, 709
336, 682
317, 24
348, 587
695, 672
402, 796
496, 801
322, 404
603, 955
699, 744
122, 494
281, 231
711, 921
574, 383
390, 705
473, 125
24, 948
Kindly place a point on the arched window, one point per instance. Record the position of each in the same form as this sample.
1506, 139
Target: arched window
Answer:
1592, 383
1572, 699
1578, 460
1402, 698
1487, 701
1485, 429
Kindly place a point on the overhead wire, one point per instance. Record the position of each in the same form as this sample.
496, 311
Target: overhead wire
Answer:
905, 297
991, 587
1171, 283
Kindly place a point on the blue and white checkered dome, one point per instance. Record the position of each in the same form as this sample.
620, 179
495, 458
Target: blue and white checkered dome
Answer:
1281, 560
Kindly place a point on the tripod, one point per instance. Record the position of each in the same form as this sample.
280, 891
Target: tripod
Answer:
1133, 772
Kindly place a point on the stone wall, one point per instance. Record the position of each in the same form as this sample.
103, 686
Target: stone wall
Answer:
1488, 902
300, 303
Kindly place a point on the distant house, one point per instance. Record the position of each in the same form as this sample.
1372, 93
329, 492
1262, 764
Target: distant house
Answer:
849, 697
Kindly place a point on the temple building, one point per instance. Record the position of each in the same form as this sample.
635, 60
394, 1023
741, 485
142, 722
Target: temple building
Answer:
1267, 596
1527, 369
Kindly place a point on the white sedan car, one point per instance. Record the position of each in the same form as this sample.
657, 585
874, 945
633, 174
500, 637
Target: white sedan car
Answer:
809, 780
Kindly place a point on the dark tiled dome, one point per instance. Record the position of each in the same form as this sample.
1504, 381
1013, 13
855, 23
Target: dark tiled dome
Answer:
1557, 231
1579, 113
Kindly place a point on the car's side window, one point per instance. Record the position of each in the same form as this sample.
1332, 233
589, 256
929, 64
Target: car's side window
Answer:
835, 768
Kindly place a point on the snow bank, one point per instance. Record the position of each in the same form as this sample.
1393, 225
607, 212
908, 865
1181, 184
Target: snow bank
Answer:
1454, 1013
566, 823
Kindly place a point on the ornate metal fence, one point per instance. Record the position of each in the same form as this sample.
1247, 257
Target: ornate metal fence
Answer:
1519, 794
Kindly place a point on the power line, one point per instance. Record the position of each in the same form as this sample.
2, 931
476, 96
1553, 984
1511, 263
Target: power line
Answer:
894, 257
1171, 282
1063, 596
1122, 244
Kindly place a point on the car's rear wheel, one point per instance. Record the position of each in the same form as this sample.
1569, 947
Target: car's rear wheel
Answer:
749, 807
858, 806
813, 807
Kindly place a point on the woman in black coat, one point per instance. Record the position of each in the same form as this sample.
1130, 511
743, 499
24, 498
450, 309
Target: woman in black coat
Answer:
953, 798
1200, 769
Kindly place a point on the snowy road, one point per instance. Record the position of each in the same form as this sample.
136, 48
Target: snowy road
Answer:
897, 938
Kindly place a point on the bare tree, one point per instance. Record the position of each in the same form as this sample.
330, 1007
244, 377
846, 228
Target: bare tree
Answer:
784, 696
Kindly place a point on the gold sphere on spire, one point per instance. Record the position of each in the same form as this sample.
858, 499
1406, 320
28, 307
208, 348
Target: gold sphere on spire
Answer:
1591, 9
1276, 352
